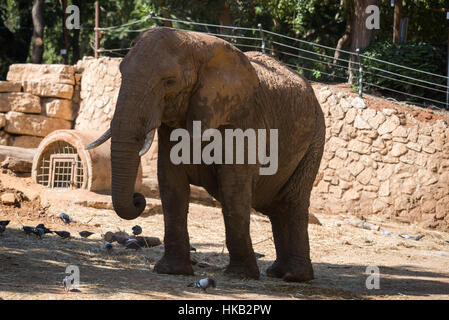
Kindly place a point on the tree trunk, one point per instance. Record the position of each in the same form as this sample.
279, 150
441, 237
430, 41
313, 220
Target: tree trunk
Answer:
164, 13
225, 17
38, 31
397, 20
346, 37
361, 36
75, 38
65, 36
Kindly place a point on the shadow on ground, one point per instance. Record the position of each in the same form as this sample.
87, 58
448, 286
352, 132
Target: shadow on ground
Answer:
37, 267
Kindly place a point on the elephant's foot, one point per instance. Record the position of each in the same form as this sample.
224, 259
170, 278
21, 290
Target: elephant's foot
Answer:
276, 270
291, 272
170, 266
248, 270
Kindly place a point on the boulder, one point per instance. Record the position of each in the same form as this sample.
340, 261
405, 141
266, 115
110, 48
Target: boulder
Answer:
58, 108
2, 120
48, 89
358, 103
8, 198
4, 138
34, 125
55, 73
17, 165
25, 141
10, 86
20, 102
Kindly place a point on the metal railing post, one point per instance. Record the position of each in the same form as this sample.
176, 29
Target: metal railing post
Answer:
360, 74
447, 83
262, 37
97, 26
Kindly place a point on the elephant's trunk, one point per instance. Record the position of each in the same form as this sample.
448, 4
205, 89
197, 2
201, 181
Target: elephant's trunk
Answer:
137, 114
125, 163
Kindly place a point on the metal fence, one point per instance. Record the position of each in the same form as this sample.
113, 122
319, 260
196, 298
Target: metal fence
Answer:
315, 61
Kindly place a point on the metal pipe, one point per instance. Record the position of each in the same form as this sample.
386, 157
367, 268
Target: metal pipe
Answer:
447, 74
360, 74
262, 37
97, 30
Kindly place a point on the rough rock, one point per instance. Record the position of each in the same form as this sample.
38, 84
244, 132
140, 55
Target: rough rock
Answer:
17, 165
2, 120
48, 89
358, 103
56, 73
34, 125
25, 141
20, 102
8, 198
58, 108
10, 86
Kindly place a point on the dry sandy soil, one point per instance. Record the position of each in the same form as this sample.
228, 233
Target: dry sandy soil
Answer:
33, 269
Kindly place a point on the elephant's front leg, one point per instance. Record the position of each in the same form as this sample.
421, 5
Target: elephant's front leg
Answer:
174, 190
236, 193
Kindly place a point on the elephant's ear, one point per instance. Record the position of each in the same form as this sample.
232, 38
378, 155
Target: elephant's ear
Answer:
226, 81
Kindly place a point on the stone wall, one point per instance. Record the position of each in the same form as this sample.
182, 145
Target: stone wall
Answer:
380, 157
383, 158
36, 100
99, 91
100, 87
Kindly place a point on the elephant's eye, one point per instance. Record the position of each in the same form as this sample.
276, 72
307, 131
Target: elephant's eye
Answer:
169, 82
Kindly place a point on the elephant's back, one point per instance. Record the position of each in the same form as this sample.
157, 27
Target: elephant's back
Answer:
275, 73
284, 98
288, 103
292, 92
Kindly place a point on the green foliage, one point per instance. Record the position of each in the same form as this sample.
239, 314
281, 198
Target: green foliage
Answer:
421, 56
318, 21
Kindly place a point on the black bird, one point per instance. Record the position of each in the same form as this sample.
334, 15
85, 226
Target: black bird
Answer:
39, 232
203, 284
133, 244
86, 234
4, 223
63, 234
41, 226
192, 248
121, 240
416, 238
258, 255
65, 218
28, 230
137, 230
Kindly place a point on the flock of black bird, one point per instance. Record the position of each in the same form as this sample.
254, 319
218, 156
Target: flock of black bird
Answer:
130, 243
40, 230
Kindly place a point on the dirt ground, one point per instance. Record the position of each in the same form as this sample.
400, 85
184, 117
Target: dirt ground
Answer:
32, 268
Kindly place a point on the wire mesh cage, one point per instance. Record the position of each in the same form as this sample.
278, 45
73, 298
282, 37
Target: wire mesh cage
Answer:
60, 167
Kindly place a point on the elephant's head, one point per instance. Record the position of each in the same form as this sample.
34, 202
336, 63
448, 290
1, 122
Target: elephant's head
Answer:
172, 77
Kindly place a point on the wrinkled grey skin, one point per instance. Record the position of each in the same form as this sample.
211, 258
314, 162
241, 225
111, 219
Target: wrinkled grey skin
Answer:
172, 77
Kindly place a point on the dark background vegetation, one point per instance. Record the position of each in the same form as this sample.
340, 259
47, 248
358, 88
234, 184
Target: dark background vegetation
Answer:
333, 23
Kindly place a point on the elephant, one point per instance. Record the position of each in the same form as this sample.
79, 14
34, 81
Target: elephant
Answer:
172, 78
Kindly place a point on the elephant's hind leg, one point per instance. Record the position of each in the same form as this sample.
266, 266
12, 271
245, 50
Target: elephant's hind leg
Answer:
289, 220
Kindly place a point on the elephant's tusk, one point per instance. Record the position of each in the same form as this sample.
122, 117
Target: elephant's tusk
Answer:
100, 140
148, 141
